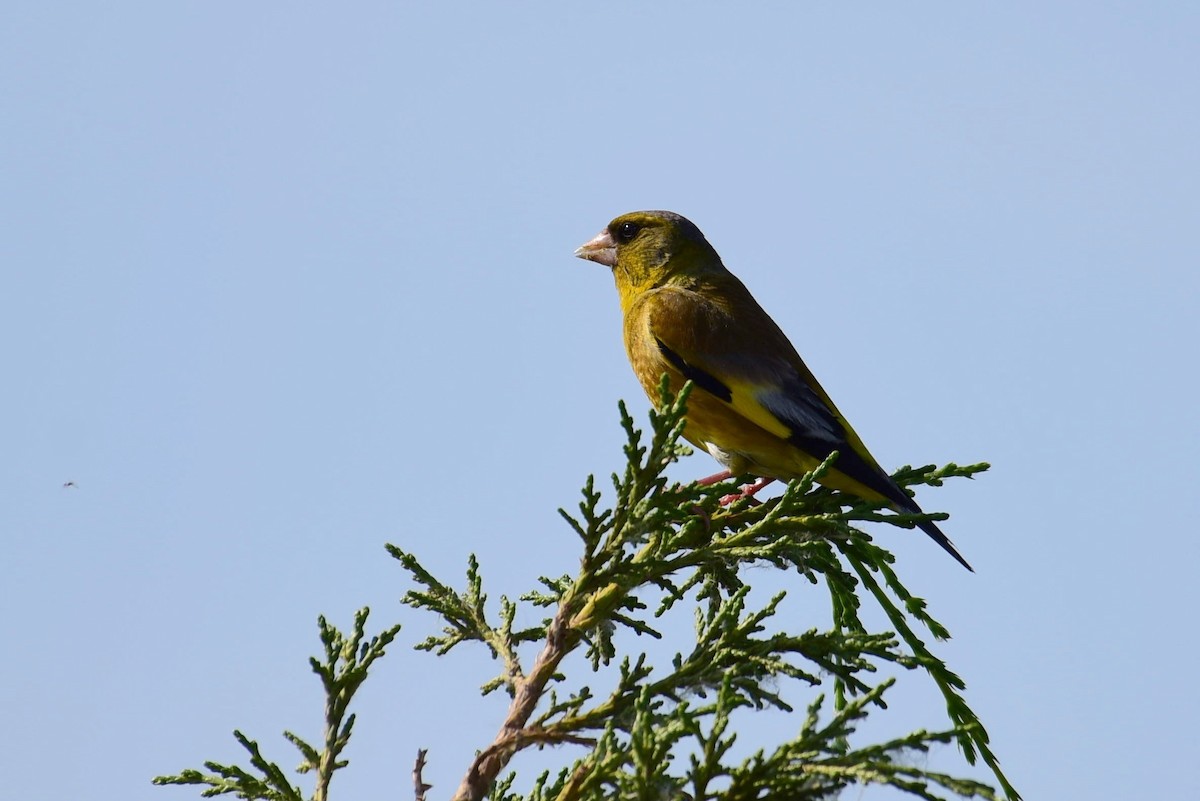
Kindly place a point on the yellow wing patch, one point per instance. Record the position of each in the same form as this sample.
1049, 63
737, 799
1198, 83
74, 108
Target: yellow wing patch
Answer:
745, 402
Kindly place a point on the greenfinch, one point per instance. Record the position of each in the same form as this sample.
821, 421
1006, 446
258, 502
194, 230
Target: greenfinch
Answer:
755, 406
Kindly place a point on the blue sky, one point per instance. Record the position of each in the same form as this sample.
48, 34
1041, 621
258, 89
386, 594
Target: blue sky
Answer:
285, 282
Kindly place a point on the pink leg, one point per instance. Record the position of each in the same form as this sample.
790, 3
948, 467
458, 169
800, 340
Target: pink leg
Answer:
715, 478
748, 491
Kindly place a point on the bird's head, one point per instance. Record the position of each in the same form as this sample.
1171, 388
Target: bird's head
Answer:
647, 249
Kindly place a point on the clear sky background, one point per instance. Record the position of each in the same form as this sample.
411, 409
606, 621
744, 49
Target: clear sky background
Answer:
284, 282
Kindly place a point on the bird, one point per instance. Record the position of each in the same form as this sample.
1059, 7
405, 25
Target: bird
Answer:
755, 405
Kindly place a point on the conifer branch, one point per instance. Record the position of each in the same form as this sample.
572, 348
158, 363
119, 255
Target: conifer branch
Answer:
342, 672
668, 731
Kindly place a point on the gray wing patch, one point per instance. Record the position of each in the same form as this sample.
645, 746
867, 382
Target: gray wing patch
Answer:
803, 411
817, 432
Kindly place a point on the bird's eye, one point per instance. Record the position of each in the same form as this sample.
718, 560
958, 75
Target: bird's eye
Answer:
626, 231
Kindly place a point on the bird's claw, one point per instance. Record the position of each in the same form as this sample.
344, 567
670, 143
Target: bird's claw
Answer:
747, 493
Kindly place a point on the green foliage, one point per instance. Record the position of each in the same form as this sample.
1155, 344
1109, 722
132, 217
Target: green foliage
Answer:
342, 672
668, 731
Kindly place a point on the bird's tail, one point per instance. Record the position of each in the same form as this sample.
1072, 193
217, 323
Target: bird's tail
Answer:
941, 539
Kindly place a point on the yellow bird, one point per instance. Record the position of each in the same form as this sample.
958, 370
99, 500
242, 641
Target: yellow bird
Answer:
756, 407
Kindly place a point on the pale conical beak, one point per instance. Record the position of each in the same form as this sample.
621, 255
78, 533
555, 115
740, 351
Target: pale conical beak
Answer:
602, 249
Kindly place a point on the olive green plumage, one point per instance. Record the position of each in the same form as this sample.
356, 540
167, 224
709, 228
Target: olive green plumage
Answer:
756, 407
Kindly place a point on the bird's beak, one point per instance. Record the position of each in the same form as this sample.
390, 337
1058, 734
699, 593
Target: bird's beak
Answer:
602, 249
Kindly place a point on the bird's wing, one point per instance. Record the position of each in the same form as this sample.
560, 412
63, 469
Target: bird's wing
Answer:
728, 346
745, 360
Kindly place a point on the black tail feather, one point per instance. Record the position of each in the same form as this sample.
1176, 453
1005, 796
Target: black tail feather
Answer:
941, 539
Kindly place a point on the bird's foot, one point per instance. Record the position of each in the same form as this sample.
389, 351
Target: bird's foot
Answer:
747, 493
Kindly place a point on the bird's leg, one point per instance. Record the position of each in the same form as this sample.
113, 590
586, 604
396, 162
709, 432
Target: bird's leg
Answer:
747, 492
715, 478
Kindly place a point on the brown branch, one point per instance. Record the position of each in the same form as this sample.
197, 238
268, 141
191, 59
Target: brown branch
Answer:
419, 785
574, 785
527, 737
560, 639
